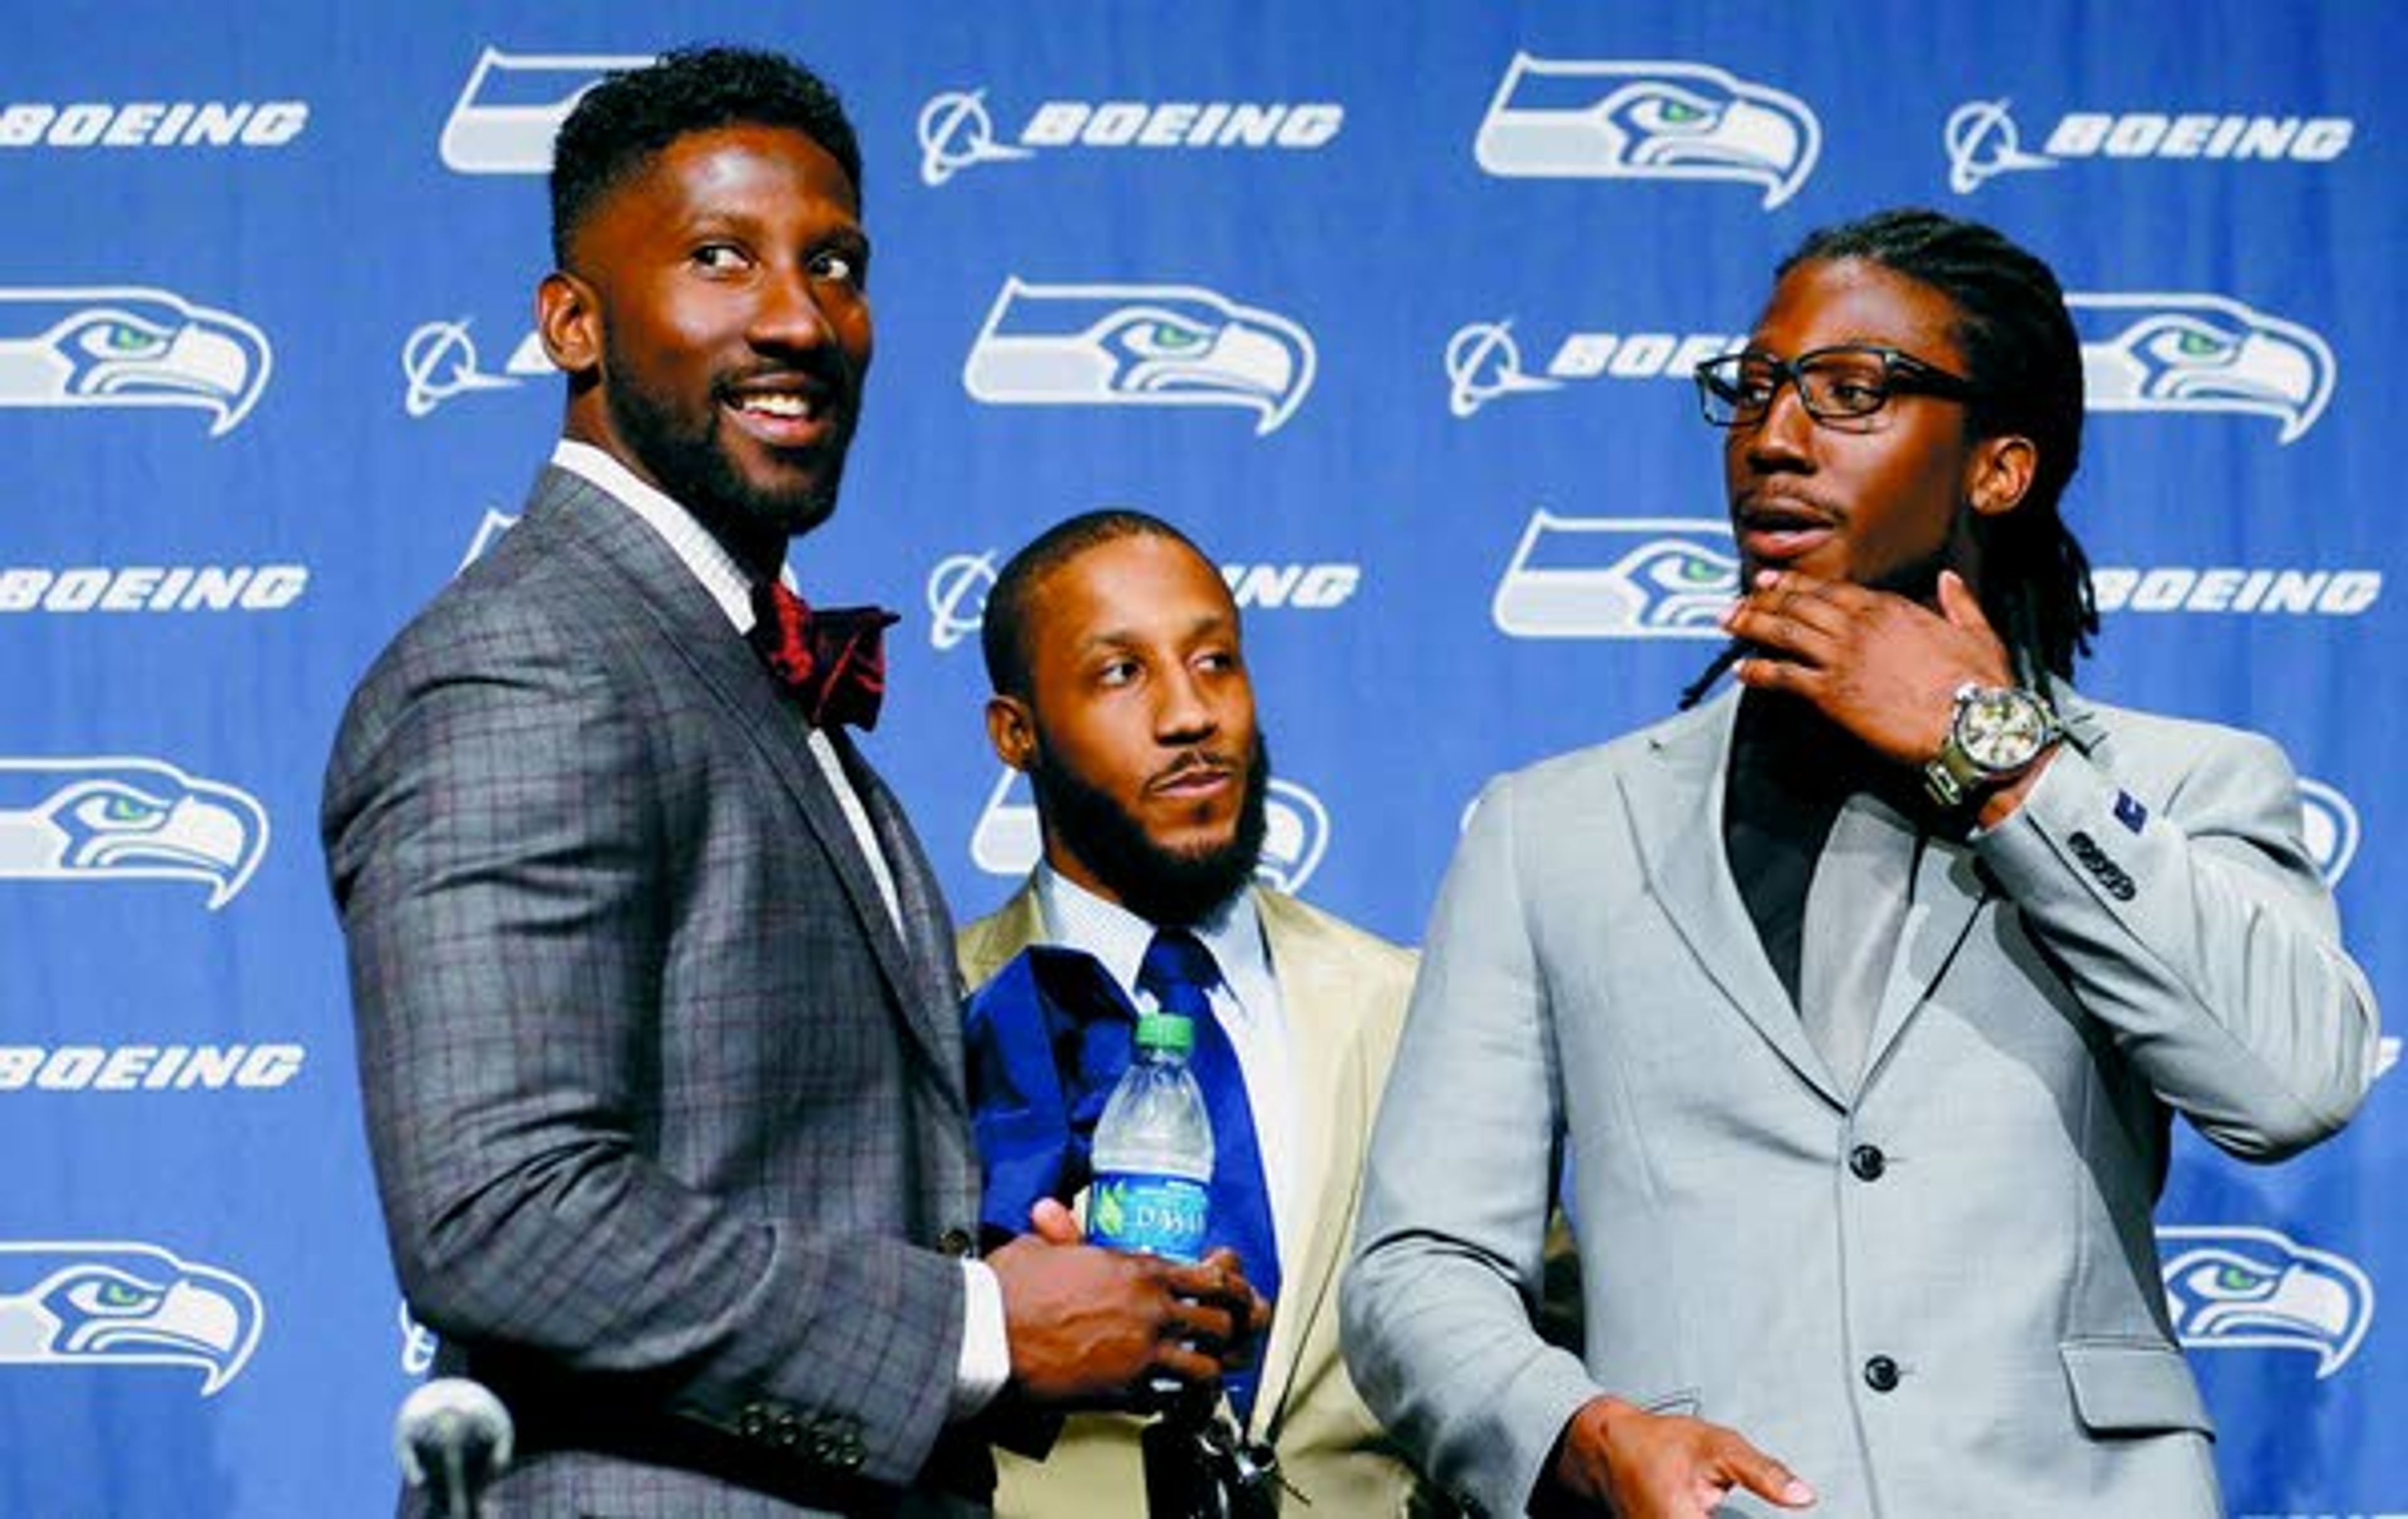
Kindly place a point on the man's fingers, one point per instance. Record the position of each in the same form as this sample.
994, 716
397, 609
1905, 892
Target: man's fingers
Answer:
1054, 1223
1960, 605
1775, 674
1764, 1476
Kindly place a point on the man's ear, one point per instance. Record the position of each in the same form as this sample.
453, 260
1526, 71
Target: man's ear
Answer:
569, 319
1012, 729
1999, 473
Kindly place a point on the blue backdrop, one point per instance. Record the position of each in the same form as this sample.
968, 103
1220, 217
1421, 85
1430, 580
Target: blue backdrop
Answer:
1389, 303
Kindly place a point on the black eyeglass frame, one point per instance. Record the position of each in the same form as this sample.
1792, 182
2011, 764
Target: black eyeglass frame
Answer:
1902, 374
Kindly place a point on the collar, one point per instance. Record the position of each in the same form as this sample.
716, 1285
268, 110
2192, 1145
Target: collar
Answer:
1118, 938
711, 562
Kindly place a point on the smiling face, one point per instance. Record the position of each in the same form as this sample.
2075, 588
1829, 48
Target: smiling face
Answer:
1876, 500
1138, 730
715, 321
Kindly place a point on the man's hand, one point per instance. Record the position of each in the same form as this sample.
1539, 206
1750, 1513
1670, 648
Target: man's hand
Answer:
1620, 1459
1874, 662
1089, 1326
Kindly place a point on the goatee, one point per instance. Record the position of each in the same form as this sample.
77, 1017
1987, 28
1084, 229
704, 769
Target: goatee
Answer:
1164, 886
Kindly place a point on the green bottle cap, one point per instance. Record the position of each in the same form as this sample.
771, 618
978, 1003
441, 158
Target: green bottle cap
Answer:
1171, 1031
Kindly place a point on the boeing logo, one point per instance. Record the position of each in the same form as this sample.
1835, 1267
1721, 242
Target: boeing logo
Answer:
2151, 350
438, 361
1139, 345
1598, 120
151, 588
2230, 588
152, 124
958, 593
1617, 578
1982, 141
129, 346
125, 1303
1005, 841
149, 1067
2330, 825
956, 133
127, 819
958, 587
2246, 1288
1483, 362
513, 106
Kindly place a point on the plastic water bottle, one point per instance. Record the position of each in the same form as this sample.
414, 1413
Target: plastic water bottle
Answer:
1154, 1150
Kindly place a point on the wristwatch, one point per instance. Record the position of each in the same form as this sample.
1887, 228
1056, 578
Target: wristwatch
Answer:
1994, 734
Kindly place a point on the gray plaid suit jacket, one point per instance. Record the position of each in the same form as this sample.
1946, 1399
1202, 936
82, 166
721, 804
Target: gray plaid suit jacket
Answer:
668, 1118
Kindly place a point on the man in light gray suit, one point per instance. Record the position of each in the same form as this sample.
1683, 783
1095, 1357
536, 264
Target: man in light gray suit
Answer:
1854, 1008
656, 1011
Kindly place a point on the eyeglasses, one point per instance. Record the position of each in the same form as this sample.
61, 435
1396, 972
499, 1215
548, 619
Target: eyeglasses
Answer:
1847, 382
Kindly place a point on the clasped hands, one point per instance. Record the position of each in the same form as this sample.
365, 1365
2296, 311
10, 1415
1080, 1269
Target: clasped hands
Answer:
1094, 1327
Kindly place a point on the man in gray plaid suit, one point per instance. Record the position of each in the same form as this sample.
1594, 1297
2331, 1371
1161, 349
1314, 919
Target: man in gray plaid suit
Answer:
654, 990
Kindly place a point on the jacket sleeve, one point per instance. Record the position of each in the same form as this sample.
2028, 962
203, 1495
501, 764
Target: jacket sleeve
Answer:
2184, 912
502, 876
1438, 1301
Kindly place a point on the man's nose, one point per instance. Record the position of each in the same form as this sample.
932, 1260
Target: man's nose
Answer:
788, 315
1780, 436
1185, 710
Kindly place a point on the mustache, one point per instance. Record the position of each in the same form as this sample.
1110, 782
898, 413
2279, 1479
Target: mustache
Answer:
1193, 762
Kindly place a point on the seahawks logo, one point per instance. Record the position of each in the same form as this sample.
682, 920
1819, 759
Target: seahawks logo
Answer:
127, 819
513, 104
2243, 1288
2153, 351
1596, 120
1617, 578
122, 1303
129, 346
1139, 345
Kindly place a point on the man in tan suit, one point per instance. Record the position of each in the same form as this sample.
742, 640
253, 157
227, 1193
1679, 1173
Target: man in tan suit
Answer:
1120, 689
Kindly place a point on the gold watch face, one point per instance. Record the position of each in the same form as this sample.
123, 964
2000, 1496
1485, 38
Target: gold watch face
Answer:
2002, 729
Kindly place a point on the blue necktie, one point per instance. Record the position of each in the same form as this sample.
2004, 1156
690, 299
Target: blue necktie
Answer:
1179, 973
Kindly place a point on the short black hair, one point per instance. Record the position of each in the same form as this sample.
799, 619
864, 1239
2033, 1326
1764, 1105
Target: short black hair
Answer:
621, 124
1003, 630
2025, 360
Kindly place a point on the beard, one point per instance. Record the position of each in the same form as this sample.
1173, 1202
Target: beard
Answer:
1165, 886
690, 460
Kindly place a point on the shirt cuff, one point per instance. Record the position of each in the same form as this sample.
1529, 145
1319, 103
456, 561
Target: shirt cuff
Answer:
986, 1351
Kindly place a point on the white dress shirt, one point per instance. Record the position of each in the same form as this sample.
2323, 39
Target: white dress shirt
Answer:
1246, 1005
986, 1349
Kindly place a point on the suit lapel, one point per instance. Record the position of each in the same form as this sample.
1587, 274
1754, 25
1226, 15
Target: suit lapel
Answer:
699, 634
1676, 810
989, 944
1318, 1002
1948, 891
933, 1001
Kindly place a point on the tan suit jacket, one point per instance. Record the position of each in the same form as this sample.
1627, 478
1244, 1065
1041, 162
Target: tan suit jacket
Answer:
1343, 993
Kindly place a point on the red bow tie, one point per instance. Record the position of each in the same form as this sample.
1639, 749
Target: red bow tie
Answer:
834, 660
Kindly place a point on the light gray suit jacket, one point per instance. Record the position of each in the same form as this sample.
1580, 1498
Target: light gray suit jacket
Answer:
2145, 935
668, 1118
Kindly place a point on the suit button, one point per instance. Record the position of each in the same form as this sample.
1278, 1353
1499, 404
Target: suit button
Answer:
1868, 1162
753, 1422
788, 1431
956, 1243
1881, 1374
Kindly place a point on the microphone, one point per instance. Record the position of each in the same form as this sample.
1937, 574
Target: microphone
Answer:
453, 1437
